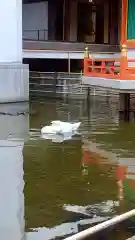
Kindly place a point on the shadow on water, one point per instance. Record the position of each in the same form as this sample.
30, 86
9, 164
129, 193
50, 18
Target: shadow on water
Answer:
68, 186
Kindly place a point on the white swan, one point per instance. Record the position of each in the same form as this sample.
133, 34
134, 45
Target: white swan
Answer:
58, 127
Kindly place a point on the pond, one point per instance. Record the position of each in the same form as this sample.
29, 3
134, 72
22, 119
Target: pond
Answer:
57, 189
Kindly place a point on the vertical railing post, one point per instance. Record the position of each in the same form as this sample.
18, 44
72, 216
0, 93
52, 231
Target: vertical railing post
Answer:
102, 66
123, 62
69, 65
38, 35
45, 34
86, 62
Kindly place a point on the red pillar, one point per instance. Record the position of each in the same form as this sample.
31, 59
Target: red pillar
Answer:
124, 21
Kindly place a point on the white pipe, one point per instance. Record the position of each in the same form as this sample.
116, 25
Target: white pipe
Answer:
88, 232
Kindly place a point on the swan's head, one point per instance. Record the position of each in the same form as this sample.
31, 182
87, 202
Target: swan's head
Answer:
56, 123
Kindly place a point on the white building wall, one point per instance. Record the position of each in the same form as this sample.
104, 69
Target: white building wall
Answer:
14, 79
10, 31
35, 17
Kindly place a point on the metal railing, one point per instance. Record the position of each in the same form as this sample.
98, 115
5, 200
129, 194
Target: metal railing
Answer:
43, 35
116, 68
56, 85
61, 85
35, 35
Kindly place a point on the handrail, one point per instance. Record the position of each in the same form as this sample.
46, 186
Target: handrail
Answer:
67, 51
52, 50
75, 73
82, 42
104, 59
105, 68
108, 68
109, 223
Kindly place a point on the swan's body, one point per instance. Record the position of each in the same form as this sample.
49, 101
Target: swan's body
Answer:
58, 127
56, 137
50, 130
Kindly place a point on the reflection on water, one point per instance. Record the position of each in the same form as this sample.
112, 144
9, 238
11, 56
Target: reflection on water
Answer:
71, 185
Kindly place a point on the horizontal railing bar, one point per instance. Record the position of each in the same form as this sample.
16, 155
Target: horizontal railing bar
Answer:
41, 77
132, 60
41, 72
41, 91
59, 79
53, 76
38, 84
103, 68
64, 51
109, 223
103, 59
104, 75
56, 72
36, 30
51, 85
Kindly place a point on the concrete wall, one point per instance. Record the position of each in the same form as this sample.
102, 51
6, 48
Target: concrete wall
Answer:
35, 17
14, 82
13, 125
11, 175
11, 185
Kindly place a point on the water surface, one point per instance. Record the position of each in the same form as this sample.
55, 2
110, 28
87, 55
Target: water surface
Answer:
57, 189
